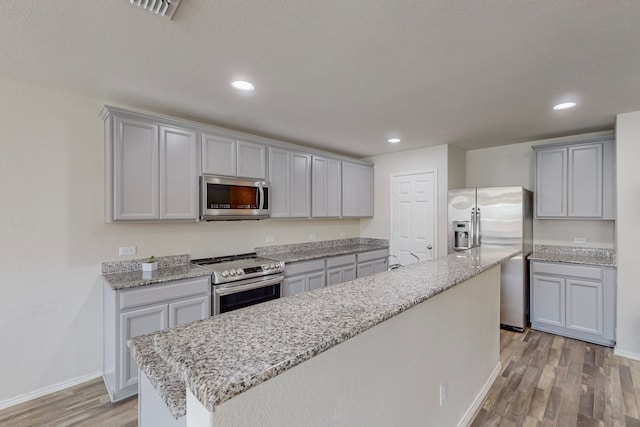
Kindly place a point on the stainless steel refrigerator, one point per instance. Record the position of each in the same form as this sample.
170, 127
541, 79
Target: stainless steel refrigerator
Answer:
497, 217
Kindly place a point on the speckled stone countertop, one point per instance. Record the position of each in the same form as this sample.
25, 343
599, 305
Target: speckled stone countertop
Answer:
323, 249
574, 255
220, 357
132, 279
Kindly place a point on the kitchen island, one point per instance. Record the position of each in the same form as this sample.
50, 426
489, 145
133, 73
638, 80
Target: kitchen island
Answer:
415, 346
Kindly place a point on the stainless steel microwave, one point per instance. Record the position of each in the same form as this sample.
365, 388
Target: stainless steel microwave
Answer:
233, 198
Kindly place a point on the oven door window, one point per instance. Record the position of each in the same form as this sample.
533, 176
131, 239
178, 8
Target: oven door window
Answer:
247, 298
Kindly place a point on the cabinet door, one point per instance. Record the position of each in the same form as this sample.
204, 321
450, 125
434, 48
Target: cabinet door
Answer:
218, 155
319, 187
379, 265
334, 276
548, 300
365, 191
135, 157
551, 182
178, 174
585, 180
349, 189
190, 310
315, 280
294, 285
585, 306
334, 188
348, 273
365, 269
251, 160
132, 324
279, 179
300, 185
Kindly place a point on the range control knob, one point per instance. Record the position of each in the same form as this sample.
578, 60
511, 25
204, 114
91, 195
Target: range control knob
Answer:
239, 271
225, 273
266, 267
274, 266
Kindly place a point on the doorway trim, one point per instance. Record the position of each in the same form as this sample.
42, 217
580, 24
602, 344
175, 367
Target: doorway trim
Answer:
436, 243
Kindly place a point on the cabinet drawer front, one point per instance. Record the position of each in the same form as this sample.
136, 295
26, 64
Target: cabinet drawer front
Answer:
164, 292
341, 260
584, 272
303, 267
368, 256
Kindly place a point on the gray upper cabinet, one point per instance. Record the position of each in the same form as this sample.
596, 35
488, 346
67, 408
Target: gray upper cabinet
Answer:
178, 174
576, 181
228, 156
290, 180
326, 188
135, 174
357, 190
155, 174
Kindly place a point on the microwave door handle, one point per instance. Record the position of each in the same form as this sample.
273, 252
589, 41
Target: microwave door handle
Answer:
260, 196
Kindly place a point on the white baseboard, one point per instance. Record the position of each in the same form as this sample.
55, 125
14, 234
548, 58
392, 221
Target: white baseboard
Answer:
475, 405
627, 354
48, 390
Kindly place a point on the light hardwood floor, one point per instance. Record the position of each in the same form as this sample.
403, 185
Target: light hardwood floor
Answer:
546, 380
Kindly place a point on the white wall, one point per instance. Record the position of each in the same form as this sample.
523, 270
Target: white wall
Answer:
425, 159
54, 237
628, 234
514, 165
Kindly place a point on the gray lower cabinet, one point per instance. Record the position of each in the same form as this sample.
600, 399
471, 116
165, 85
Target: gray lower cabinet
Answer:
577, 301
341, 269
303, 276
372, 262
137, 311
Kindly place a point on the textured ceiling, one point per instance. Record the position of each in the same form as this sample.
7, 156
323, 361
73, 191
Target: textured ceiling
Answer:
343, 75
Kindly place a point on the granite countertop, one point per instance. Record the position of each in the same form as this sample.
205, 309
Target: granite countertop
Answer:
220, 357
132, 279
574, 255
310, 254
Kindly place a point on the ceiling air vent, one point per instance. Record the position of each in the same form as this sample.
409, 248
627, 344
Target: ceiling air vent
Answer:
164, 8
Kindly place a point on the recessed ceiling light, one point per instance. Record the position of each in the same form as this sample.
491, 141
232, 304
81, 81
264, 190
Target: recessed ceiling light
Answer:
393, 140
564, 106
243, 85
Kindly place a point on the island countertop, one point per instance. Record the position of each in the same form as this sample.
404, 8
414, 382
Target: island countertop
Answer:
220, 357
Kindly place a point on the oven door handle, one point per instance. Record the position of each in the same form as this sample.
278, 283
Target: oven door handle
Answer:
222, 291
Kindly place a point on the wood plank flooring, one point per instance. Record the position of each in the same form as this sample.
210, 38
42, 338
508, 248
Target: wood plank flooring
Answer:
546, 381
85, 405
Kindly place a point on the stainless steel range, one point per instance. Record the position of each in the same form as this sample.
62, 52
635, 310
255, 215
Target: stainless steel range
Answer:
242, 280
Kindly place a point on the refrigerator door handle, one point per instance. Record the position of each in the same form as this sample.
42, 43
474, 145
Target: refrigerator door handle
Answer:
478, 232
472, 226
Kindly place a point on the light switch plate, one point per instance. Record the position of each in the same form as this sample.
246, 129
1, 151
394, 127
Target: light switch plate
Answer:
579, 240
126, 250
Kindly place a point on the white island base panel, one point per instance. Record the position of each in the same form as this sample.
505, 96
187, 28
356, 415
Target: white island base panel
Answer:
389, 375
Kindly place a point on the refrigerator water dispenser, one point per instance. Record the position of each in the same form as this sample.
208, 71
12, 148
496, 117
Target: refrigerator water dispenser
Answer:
461, 238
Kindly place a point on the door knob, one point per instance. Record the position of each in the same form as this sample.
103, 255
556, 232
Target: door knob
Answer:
429, 247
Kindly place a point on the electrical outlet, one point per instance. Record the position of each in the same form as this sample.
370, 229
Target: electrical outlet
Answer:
342, 234
271, 239
443, 394
312, 236
579, 240
126, 250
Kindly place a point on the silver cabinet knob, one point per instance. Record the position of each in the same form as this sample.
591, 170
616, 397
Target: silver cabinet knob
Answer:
429, 247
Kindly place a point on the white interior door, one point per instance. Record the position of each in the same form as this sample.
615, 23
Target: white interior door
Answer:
413, 216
